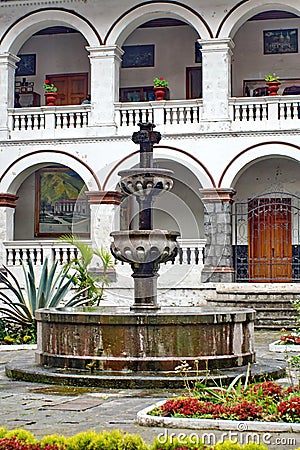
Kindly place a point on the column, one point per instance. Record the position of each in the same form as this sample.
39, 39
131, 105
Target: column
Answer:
7, 211
216, 79
104, 216
7, 80
105, 74
218, 263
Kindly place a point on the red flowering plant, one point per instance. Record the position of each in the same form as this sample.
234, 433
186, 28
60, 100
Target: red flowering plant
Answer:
265, 401
49, 87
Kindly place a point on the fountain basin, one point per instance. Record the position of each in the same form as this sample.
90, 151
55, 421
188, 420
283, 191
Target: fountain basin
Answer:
117, 339
144, 246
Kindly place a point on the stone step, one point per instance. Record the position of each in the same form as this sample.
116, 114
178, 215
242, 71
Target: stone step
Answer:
274, 314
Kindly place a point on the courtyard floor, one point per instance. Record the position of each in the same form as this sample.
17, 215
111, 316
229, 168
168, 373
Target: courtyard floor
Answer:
47, 409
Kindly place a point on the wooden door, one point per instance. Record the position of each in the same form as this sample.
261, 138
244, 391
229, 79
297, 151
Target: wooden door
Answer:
270, 247
194, 82
72, 88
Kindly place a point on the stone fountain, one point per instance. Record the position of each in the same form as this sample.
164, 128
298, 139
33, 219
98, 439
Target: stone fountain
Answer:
143, 344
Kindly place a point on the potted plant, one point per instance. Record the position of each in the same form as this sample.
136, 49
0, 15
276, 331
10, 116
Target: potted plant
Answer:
50, 93
273, 83
160, 88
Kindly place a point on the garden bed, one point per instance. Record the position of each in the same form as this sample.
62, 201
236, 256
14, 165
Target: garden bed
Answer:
263, 406
278, 346
148, 420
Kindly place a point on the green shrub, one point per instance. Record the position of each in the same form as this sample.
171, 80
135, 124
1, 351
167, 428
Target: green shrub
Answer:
22, 435
173, 443
52, 439
81, 441
3, 432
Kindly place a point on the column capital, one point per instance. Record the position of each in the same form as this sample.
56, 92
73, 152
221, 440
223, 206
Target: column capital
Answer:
214, 195
104, 197
105, 51
8, 200
216, 45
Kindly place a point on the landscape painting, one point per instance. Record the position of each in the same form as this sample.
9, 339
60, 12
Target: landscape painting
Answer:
61, 204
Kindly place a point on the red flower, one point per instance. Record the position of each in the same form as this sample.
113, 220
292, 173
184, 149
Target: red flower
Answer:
289, 410
47, 82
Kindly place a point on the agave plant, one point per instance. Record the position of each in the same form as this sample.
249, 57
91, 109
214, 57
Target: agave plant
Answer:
49, 292
90, 285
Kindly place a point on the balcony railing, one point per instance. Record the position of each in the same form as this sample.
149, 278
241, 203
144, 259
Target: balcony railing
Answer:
190, 253
172, 116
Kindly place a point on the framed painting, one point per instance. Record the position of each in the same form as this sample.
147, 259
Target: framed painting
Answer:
281, 41
26, 65
61, 206
138, 56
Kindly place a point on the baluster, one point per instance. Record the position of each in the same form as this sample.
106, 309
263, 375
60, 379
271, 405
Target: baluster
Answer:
42, 121
65, 120
289, 110
23, 122
189, 115
264, 112
244, 112
130, 117
39, 256
64, 253
181, 115
251, 112
168, 115
72, 120
10, 259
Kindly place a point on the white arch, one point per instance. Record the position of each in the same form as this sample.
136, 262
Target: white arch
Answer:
169, 154
22, 30
248, 9
129, 22
19, 171
251, 157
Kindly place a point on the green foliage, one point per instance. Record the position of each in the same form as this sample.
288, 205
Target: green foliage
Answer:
3, 432
52, 439
160, 82
81, 441
92, 285
21, 435
272, 77
47, 292
174, 443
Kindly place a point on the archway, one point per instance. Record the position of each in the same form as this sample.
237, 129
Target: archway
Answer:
266, 221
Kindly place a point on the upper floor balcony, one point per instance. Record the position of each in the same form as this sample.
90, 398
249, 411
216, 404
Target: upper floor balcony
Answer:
246, 114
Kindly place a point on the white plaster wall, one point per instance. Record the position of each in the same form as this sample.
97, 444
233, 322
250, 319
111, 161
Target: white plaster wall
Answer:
249, 61
275, 174
24, 212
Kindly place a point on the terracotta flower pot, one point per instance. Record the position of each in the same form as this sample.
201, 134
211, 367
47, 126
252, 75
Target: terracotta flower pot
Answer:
160, 92
273, 87
50, 98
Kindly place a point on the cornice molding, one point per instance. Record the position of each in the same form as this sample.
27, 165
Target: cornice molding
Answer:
170, 137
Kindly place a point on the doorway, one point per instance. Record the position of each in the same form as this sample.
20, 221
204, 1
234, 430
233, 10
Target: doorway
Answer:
194, 82
72, 88
270, 246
